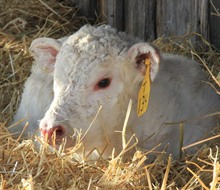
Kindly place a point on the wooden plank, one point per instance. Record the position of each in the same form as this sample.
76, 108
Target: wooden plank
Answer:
103, 10
203, 19
139, 18
178, 17
87, 8
113, 12
215, 24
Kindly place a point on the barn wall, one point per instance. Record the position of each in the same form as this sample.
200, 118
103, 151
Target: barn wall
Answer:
150, 19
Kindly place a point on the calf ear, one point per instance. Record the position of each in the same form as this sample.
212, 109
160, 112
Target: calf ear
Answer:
44, 51
138, 53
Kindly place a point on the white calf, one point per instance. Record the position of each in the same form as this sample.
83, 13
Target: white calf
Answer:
97, 66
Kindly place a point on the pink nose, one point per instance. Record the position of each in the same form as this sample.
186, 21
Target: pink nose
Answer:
58, 131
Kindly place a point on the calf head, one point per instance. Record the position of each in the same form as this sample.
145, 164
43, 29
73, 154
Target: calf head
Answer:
96, 72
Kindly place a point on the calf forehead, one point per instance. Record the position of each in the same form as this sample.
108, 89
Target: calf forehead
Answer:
99, 40
88, 49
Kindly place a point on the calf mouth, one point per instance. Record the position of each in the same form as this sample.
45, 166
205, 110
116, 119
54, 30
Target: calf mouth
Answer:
59, 136
57, 141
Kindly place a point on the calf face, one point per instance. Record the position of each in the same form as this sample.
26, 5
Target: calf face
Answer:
97, 72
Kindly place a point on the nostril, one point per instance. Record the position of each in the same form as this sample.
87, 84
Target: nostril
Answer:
59, 130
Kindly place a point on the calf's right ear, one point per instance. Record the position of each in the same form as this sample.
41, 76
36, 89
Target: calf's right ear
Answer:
44, 51
139, 52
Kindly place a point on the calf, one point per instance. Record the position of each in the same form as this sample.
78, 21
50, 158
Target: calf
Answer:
99, 67
38, 89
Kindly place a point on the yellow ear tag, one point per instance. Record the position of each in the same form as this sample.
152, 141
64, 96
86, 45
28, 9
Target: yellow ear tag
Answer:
144, 92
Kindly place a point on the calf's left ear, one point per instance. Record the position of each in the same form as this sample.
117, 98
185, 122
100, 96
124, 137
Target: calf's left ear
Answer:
138, 53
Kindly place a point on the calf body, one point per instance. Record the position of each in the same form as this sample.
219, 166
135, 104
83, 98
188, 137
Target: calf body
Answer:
98, 67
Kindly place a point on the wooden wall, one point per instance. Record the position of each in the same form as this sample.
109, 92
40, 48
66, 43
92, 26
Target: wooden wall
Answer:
150, 19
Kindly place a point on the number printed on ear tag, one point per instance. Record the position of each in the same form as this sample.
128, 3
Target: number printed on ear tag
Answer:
144, 92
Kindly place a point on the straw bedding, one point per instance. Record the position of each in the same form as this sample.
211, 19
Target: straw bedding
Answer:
23, 166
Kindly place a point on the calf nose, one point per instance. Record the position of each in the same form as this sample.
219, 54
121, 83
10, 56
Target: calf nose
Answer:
58, 131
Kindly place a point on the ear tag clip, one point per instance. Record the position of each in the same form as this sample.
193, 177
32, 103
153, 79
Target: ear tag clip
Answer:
144, 92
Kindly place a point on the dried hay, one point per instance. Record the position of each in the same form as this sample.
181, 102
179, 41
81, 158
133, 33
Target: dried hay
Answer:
24, 167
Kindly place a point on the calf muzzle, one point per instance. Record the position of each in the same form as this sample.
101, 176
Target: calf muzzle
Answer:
57, 131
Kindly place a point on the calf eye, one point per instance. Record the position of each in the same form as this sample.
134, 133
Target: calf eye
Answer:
104, 83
